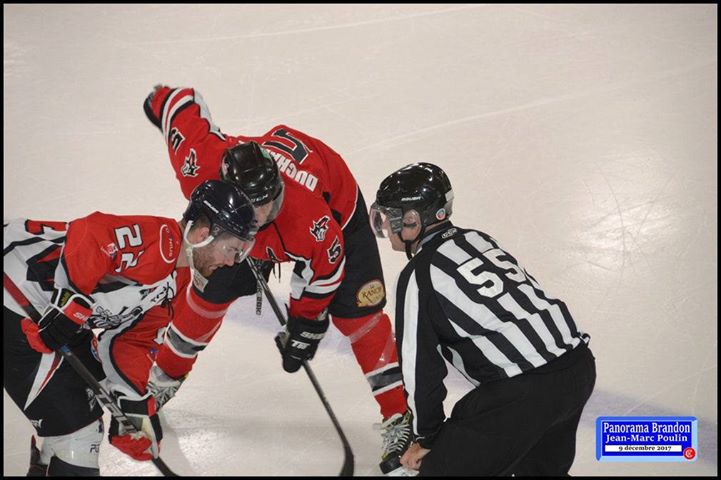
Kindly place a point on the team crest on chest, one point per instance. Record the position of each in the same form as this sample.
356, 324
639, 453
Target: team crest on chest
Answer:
105, 318
319, 229
190, 165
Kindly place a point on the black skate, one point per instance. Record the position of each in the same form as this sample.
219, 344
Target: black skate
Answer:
396, 432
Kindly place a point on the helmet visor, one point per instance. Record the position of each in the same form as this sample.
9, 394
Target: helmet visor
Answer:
277, 204
385, 220
234, 250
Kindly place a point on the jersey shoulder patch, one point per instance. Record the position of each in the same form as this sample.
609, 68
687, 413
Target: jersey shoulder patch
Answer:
169, 243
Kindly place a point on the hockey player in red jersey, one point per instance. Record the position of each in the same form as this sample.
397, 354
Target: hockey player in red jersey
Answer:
311, 212
124, 275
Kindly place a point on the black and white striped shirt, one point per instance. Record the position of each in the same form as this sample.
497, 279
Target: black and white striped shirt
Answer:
465, 300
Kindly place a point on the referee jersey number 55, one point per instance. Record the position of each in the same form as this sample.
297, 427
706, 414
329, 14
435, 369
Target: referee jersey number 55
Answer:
463, 298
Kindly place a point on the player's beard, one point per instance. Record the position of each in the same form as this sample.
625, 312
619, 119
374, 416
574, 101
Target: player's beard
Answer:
203, 262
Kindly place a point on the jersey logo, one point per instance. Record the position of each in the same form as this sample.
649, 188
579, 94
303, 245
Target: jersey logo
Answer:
175, 139
190, 166
370, 294
449, 233
319, 229
334, 251
111, 250
167, 244
104, 318
161, 295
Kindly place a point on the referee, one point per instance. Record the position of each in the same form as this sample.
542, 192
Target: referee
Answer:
463, 300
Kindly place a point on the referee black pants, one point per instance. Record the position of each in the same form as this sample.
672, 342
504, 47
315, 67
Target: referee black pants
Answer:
523, 426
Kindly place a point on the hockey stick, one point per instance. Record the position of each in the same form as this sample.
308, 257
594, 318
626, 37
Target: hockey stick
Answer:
347, 469
103, 395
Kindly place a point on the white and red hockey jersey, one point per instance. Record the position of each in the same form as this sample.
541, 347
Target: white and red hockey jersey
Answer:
125, 264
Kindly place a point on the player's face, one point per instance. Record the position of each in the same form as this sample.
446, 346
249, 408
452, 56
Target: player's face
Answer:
221, 252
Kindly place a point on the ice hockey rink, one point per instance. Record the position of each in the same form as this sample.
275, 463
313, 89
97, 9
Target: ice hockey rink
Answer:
583, 138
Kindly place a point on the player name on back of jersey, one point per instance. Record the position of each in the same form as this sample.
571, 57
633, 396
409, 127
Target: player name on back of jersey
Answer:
286, 165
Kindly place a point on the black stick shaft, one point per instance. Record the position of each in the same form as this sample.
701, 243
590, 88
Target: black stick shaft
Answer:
104, 397
348, 462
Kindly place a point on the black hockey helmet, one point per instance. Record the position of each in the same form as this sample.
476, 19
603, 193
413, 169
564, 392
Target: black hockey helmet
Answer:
251, 167
227, 208
422, 187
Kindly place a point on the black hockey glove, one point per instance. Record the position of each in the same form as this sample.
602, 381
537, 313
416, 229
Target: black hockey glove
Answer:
64, 318
300, 339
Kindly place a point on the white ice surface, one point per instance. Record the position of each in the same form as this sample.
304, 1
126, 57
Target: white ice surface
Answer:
583, 138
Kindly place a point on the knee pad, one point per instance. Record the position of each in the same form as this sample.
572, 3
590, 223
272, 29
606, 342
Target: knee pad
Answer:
78, 450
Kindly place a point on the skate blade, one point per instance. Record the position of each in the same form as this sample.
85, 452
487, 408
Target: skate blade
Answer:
402, 472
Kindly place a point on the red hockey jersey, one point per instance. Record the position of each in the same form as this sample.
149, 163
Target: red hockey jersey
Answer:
320, 192
125, 264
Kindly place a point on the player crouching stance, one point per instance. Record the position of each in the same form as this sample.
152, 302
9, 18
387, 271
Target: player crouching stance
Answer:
114, 274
